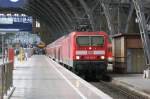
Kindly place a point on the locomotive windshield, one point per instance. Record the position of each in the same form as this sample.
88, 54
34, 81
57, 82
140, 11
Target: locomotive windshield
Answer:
90, 40
83, 40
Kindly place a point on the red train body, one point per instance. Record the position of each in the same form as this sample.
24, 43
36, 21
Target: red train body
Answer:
83, 51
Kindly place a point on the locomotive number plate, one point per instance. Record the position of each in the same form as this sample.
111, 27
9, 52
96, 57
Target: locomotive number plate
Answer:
90, 52
90, 57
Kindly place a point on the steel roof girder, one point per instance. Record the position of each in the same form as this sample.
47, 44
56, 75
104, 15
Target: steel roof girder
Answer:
72, 8
58, 15
52, 18
88, 13
36, 11
108, 17
131, 10
36, 17
64, 11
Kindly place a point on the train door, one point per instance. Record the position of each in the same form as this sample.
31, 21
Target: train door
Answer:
58, 54
69, 50
54, 53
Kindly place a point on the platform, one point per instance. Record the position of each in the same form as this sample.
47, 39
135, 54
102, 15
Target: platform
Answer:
41, 78
134, 82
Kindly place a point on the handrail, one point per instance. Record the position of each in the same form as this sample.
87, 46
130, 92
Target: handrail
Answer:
6, 78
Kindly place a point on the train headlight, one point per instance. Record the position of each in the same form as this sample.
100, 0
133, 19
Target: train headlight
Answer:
90, 48
102, 57
78, 57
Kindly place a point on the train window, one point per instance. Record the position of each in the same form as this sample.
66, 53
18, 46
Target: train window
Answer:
83, 40
97, 40
90, 40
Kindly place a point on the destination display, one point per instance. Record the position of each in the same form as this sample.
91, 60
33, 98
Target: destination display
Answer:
19, 23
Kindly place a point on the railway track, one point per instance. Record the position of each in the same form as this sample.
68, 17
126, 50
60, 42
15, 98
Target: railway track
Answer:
117, 92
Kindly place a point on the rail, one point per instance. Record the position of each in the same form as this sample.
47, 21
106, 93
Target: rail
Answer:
118, 92
6, 78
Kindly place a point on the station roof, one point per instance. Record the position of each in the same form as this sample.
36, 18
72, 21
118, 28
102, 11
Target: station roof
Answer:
63, 16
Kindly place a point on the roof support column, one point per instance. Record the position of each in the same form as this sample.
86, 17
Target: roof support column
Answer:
138, 4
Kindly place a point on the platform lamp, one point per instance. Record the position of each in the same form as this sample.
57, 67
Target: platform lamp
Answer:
2, 34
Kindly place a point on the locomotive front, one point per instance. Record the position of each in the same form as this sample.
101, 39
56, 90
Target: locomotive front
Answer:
91, 52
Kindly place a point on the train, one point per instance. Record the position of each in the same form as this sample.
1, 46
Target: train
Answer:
86, 53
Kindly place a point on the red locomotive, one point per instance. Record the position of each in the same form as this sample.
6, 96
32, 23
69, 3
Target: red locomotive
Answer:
85, 52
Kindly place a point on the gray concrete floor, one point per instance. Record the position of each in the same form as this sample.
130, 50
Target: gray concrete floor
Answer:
41, 78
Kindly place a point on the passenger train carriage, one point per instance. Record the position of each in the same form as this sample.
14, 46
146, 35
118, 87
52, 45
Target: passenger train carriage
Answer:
85, 52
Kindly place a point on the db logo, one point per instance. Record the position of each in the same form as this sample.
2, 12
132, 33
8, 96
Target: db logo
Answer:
90, 52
